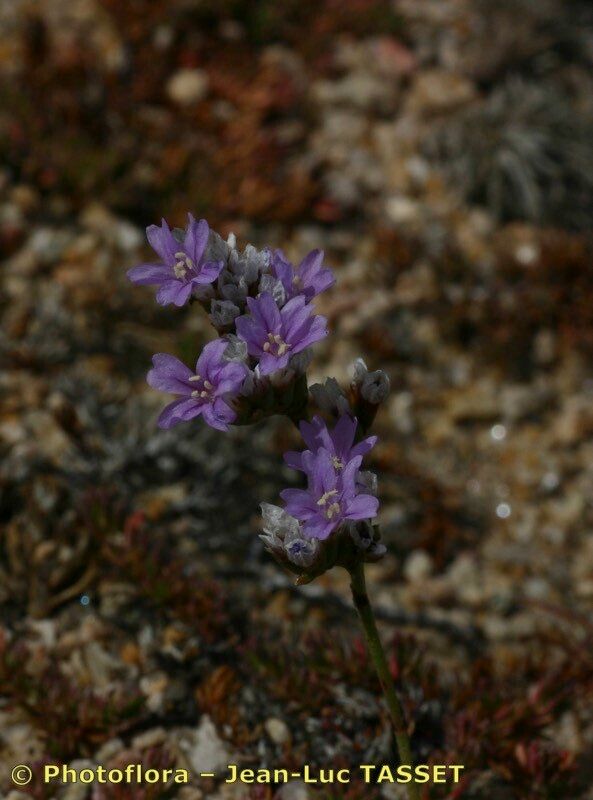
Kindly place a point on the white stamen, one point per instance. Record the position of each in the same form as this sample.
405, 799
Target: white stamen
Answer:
332, 510
194, 378
183, 265
275, 342
324, 498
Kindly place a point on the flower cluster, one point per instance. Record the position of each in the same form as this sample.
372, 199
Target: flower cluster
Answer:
338, 503
261, 308
259, 304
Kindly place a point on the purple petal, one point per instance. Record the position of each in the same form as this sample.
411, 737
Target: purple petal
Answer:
265, 312
310, 265
363, 506
269, 363
323, 473
183, 294
322, 281
196, 239
299, 503
179, 411
364, 446
294, 459
209, 272
210, 357
230, 378
219, 415
252, 333
283, 270
310, 431
319, 527
343, 434
168, 292
163, 242
295, 314
350, 472
149, 274
314, 333
169, 374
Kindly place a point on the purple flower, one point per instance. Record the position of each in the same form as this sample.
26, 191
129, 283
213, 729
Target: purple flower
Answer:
273, 335
206, 391
331, 497
183, 264
339, 443
308, 279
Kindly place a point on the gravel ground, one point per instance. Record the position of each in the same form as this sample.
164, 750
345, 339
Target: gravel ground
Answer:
440, 153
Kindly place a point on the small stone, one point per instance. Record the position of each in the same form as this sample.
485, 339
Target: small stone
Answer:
277, 730
107, 751
204, 749
153, 687
149, 738
294, 790
418, 566
188, 86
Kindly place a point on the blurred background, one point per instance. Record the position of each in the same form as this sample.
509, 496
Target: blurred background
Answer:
441, 152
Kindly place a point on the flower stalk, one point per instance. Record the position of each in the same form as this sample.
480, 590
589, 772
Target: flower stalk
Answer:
365, 612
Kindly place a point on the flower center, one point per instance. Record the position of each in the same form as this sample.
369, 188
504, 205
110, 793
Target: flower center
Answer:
183, 265
337, 462
204, 390
332, 509
275, 345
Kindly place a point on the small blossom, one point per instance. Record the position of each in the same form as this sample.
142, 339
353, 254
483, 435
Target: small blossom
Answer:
284, 538
367, 480
268, 283
206, 392
330, 398
236, 349
273, 335
308, 279
367, 540
183, 266
373, 386
242, 272
331, 497
223, 313
339, 443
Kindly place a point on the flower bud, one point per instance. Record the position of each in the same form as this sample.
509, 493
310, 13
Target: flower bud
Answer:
236, 349
367, 540
373, 386
223, 314
309, 558
368, 390
268, 283
330, 398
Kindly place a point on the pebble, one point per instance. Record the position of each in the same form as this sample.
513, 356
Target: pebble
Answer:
188, 86
277, 730
204, 749
294, 790
418, 566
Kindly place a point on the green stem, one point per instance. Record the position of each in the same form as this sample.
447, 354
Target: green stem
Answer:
365, 611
